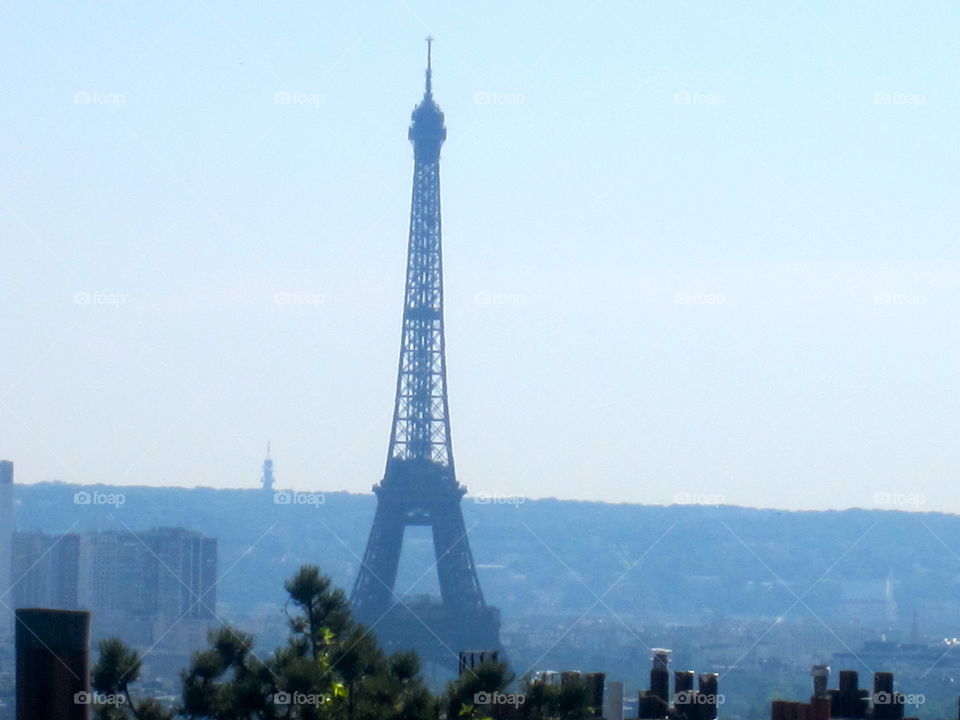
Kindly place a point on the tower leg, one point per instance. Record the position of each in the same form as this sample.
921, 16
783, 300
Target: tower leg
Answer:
373, 591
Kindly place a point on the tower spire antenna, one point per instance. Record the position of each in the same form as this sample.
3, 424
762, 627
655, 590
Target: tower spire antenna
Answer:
429, 69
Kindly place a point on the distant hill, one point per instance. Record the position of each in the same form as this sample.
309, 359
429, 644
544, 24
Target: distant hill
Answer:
550, 557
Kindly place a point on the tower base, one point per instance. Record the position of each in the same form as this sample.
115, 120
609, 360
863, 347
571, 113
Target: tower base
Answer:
437, 633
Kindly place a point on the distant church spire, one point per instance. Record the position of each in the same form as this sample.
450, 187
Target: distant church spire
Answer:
267, 479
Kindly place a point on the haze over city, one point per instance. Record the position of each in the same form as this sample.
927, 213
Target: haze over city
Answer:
692, 252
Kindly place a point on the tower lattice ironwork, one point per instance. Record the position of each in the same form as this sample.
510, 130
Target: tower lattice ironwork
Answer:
419, 486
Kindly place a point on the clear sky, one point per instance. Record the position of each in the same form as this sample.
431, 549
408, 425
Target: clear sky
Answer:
693, 251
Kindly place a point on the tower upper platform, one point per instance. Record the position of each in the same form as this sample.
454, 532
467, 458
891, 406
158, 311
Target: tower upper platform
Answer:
427, 131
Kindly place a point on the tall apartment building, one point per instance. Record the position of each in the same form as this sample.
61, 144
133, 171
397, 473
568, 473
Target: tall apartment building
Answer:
186, 573
6, 543
168, 572
164, 573
45, 570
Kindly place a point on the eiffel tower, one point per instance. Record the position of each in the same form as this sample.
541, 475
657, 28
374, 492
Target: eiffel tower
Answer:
419, 486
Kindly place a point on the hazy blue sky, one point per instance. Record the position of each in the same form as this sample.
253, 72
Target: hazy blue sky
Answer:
692, 250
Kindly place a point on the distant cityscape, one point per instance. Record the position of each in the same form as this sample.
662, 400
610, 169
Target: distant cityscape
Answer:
157, 589
424, 602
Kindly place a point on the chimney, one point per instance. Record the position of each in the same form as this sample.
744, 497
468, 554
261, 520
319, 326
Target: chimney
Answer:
659, 676
708, 696
887, 705
820, 708
683, 693
821, 676
595, 683
848, 701
53, 664
568, 677
779, 710
653, 703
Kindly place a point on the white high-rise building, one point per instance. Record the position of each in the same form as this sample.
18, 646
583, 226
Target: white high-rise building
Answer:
613, 700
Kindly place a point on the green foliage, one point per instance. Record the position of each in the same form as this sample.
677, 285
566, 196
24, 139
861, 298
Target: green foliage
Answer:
331, 668
226, 677
460, 698
117, 667
567, 701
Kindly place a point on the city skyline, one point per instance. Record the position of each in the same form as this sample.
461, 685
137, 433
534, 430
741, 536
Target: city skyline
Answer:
679, 268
